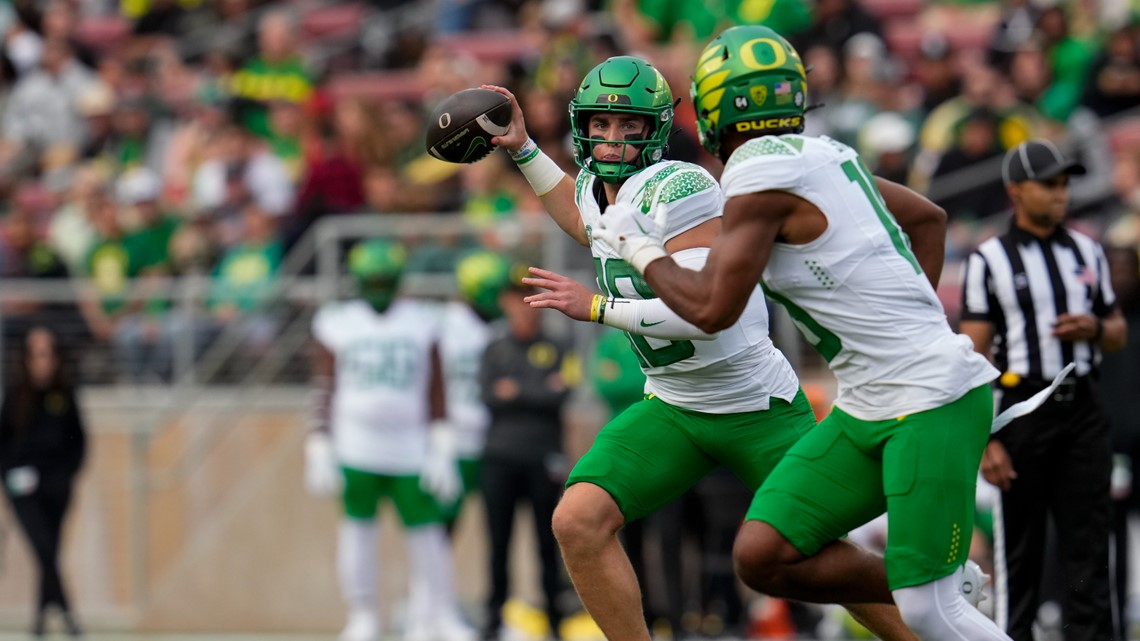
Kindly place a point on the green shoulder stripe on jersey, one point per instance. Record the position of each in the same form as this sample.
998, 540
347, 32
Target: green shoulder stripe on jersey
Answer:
580, 184
794, 141
858, 173
648, 191
766, 146
681, 186
822, 339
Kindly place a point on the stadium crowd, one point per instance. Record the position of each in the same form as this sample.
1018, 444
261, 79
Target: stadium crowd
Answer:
174, 138
155, 138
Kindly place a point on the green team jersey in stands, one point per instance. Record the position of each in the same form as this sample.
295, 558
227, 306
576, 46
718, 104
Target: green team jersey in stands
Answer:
737, 371
262, 81
857, 293
380, 411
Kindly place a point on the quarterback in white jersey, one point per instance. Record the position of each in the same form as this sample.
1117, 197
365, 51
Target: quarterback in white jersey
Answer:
378, 433
724, 398
855, 260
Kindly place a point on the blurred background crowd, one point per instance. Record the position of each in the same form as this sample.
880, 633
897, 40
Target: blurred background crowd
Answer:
164, 164
158, 138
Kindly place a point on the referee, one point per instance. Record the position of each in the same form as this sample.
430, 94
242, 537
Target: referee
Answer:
1035, 299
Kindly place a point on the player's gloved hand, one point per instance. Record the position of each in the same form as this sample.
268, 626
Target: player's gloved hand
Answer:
322, 474
440, 473
637, 237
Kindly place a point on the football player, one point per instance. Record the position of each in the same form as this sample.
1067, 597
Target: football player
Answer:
379, 433
480, 275
855, 260
722, 398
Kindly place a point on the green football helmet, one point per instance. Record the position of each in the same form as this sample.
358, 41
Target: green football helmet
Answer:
627, 85
377, 266
480, 276
749, 79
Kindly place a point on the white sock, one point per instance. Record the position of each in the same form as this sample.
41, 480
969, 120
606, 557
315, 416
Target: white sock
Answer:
937, 611
431, 595
356, 563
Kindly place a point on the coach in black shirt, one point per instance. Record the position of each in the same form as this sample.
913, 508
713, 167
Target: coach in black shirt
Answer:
1035, 299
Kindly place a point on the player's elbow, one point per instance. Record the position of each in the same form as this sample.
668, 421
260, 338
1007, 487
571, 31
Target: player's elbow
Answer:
712, 320
935, 215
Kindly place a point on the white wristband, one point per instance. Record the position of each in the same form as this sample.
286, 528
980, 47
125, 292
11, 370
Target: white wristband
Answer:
542, 173
646, 253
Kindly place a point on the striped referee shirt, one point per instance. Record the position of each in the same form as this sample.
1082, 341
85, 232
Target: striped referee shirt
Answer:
1021, 283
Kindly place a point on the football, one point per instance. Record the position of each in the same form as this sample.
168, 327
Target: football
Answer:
461, 128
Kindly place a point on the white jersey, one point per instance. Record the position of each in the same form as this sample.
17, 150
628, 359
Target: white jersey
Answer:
465, 335
856, 292
380, 407
737, 371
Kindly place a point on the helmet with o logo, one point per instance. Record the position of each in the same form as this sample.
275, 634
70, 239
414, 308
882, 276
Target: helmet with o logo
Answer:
749, 79
627, 85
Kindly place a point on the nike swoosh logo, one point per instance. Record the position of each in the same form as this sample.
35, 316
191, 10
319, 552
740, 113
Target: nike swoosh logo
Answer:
638, 223
645, 324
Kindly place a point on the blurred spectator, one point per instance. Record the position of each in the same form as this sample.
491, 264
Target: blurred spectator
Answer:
1114, 77
109, 267
42, 446
71, 232
145, 340
138, 140
983, 87
42, 110
834, 23
823, 88
359, 142
936, 72
242, 172
1070, 57
276, 73
885, 142
243, 284
194, 142
865, 60
289, 132
23, 255
97, 105
59, 21
1018, 20
160, 18
492, 191
23, 48
976, 142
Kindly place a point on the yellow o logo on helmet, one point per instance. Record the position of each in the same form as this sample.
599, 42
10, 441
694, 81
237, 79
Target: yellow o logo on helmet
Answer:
748, 54
613, 97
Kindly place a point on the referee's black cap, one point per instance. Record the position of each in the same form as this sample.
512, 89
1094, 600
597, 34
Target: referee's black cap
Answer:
1037, 160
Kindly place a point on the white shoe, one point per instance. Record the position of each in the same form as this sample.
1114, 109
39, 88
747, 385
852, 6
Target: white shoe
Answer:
973, 582
454, 630
363, 625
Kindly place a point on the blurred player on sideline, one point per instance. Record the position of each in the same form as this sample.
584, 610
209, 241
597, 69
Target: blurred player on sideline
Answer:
913, 411
727, 398
480, 275
379, 433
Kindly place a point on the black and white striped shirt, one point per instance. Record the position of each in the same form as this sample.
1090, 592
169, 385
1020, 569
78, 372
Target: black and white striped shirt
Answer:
1022, 283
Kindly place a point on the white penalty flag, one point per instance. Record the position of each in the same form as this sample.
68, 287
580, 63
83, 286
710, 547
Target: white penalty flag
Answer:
1017, 410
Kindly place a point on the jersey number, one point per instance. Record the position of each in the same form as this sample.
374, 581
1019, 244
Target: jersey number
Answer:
857, 172
609, 274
